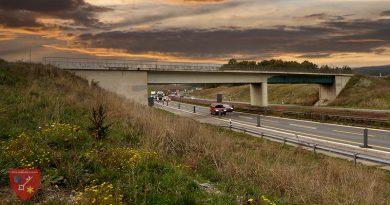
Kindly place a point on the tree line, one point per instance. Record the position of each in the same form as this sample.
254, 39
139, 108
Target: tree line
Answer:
285, 65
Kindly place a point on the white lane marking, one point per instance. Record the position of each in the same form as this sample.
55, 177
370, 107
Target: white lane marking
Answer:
273, 121
325, 123
303, 126
245, 117
352, 133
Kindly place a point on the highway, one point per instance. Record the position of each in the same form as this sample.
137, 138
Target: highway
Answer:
378, 139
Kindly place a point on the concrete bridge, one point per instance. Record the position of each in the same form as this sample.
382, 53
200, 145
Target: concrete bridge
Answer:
131, 78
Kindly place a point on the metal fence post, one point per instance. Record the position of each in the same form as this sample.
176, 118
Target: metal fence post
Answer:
258, 121
167, 102
178, 105
219, 114
365, 139
230, 124
194, 110
354, 158
314, 149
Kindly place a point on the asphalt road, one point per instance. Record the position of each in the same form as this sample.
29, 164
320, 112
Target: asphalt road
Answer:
378, 139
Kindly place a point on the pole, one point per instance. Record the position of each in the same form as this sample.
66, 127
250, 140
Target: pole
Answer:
365, 139
178, 105
219, 114
258, 121
194, 110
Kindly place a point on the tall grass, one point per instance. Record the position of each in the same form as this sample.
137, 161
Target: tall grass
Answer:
240, 165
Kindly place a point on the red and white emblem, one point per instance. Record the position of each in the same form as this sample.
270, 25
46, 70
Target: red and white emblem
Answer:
25, 182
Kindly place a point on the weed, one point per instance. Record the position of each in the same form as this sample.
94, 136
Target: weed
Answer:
98, 128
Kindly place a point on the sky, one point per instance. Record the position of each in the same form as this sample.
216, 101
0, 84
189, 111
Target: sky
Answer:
334, 32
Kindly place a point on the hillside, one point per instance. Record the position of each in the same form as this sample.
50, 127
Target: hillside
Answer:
373, 70
150, 156
299, 94
361, 92
365, 92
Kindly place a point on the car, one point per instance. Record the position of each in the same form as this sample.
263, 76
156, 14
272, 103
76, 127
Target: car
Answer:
228, 107
216, 108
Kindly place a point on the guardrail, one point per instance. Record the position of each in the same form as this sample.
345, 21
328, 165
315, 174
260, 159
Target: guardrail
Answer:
355, 156
113, 64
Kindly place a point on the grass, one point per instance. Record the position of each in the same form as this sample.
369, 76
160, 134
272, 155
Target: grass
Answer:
299, 94
151, 157
365, 92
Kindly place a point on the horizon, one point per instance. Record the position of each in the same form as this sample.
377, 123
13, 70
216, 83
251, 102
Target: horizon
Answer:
354, 33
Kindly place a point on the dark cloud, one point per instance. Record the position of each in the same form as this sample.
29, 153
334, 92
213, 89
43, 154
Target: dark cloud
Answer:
18, 19
315, 55
385, 13
24, 13
324, 16
165, 12
320, 41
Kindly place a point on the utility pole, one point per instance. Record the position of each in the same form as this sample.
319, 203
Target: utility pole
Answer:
30, 55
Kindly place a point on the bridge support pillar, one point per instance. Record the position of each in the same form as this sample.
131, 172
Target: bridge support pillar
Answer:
329, 92
259, 94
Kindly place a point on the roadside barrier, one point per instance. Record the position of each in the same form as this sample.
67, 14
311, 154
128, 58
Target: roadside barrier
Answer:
355, 156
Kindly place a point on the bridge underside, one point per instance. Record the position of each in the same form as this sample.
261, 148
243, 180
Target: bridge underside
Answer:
133, 84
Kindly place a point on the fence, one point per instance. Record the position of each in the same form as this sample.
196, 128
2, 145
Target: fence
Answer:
113, 64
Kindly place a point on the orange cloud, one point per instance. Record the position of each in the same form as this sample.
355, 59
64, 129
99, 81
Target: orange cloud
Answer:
57, 34
361, 40
106, 52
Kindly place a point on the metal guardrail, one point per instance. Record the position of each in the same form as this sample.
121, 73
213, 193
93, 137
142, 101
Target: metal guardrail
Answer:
355, 156
112, 64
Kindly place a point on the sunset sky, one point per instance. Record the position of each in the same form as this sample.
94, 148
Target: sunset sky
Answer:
334, 32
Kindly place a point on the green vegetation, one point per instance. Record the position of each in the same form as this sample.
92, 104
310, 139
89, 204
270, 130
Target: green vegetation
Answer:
280, 65
151, 157
298, 94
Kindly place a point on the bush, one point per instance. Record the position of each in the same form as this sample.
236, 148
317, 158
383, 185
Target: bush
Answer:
99, 129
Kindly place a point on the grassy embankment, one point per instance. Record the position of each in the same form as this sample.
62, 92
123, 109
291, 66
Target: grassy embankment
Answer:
361, 92
298, 94
152, 157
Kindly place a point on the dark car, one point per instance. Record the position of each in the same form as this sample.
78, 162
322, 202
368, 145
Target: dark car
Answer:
228, 107
216, 108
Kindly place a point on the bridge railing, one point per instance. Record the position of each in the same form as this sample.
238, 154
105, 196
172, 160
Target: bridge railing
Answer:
112, 64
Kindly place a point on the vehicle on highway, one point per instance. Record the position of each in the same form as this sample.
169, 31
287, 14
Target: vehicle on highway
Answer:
228, 107
166, 98
216, 108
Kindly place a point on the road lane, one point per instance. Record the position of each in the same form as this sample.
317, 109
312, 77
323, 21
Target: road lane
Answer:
379, 139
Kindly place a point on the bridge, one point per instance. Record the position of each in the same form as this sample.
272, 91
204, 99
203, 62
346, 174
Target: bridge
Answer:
131, 78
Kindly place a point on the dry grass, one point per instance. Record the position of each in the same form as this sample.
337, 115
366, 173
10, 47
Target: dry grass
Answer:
291, 174
365, 92
298, 94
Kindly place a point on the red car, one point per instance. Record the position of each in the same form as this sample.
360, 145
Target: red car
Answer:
216, 108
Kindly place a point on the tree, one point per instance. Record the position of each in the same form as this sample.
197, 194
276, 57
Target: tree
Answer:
232, 62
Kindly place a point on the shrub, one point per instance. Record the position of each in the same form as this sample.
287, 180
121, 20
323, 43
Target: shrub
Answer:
98, 128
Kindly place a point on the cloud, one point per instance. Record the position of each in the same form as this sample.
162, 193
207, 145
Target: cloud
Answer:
24, 13
385, 13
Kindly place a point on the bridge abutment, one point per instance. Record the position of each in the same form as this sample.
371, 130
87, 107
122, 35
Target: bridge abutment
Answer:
132, 85
259, 94
329, 92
